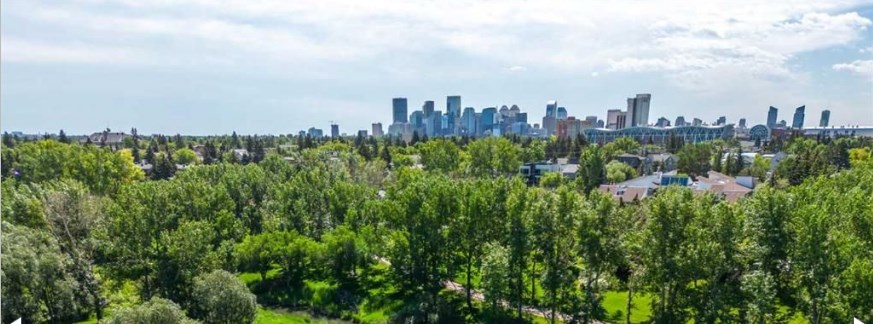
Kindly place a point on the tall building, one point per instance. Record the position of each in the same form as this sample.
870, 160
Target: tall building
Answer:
489, 117
638, 109
825, 118
680, 121
696, 122
799, 114
591, 120
771, 117
334, 130
562, 113
315, 132
453, 106
377, 130
621, 120
362, 133
427, 108
468, 122
400, 110
742, 123
521, 117
552, 109
417, 120
721, 121
612, 118
662, 122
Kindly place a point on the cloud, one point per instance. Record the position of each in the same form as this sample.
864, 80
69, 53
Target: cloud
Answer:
14, 49
595, 74
860, 67
866, 50
516, 68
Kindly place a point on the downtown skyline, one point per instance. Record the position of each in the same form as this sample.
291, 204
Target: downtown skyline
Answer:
253, 67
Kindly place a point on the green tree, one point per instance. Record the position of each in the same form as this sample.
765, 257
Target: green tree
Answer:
493, 156
592, 171
184, 156
156, 310
617, 172
219, 297
495, 273
440, 154
694, 159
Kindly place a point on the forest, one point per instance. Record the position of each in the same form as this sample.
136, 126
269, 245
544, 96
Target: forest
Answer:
371, 230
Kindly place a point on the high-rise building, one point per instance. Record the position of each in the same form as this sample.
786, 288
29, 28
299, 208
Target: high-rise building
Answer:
427, 108
696, 122
742, 123
772, 114
799, 114
562, 113
662, 122
453, 106
521, 117
468, 122
400, 110
591, 120
417, 120
621, 120
552, 109
721, 121
825, 118
612, 118
680, 121
334, 130
489, 118
377, 130
600, 123
514, 110
638, 109
315, 132
362, 133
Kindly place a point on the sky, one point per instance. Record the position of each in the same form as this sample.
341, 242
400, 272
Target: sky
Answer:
205, 67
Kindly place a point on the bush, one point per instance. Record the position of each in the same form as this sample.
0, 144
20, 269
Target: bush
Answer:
220, 297
156, 310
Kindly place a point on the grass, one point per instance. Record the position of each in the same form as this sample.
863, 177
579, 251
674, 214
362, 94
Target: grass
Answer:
615, 304
271, 316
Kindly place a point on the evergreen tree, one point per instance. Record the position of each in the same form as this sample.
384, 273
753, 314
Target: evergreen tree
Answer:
62, 137
415, 138
8, 141
386, 155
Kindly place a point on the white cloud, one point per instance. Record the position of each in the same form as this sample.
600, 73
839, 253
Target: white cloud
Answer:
861, 67
866, 50
14, 49
595, 74
516, 68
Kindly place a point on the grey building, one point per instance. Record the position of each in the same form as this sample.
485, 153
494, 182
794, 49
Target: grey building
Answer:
638, 110
427, 108
334, 131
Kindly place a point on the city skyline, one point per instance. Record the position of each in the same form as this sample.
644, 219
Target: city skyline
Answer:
263, 67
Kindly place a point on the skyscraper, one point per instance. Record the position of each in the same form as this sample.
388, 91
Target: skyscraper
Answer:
400, 111
825, 118
427, 108
742, 123
662, 122
489, 116
696, 122
377, 130
680, 121
469, 121
612, 118
334, 130
721, 121
562, 113
621, 120
799, 114
453, 106
771, 117
552, 109
638, 110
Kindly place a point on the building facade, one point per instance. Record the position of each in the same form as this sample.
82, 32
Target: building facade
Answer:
799, 115
825, 118
400, 110
689, 134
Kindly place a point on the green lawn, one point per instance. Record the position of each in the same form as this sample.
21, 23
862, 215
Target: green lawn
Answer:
270, 316
615, 303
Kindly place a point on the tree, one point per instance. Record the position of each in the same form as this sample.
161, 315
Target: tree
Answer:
62, 137
591, 171
345, 251
185, 156
599, 248
156, 310
694, 159
495, 273
219, 297
493, 156
440, 154
163, 167
37, 282
386, 154
617, 172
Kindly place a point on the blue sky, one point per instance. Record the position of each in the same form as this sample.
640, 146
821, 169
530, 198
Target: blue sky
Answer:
273, 66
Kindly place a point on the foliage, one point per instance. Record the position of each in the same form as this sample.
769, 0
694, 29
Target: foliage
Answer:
156, 310
592, 171
219, 297
617, 172
694, 159
184, 156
